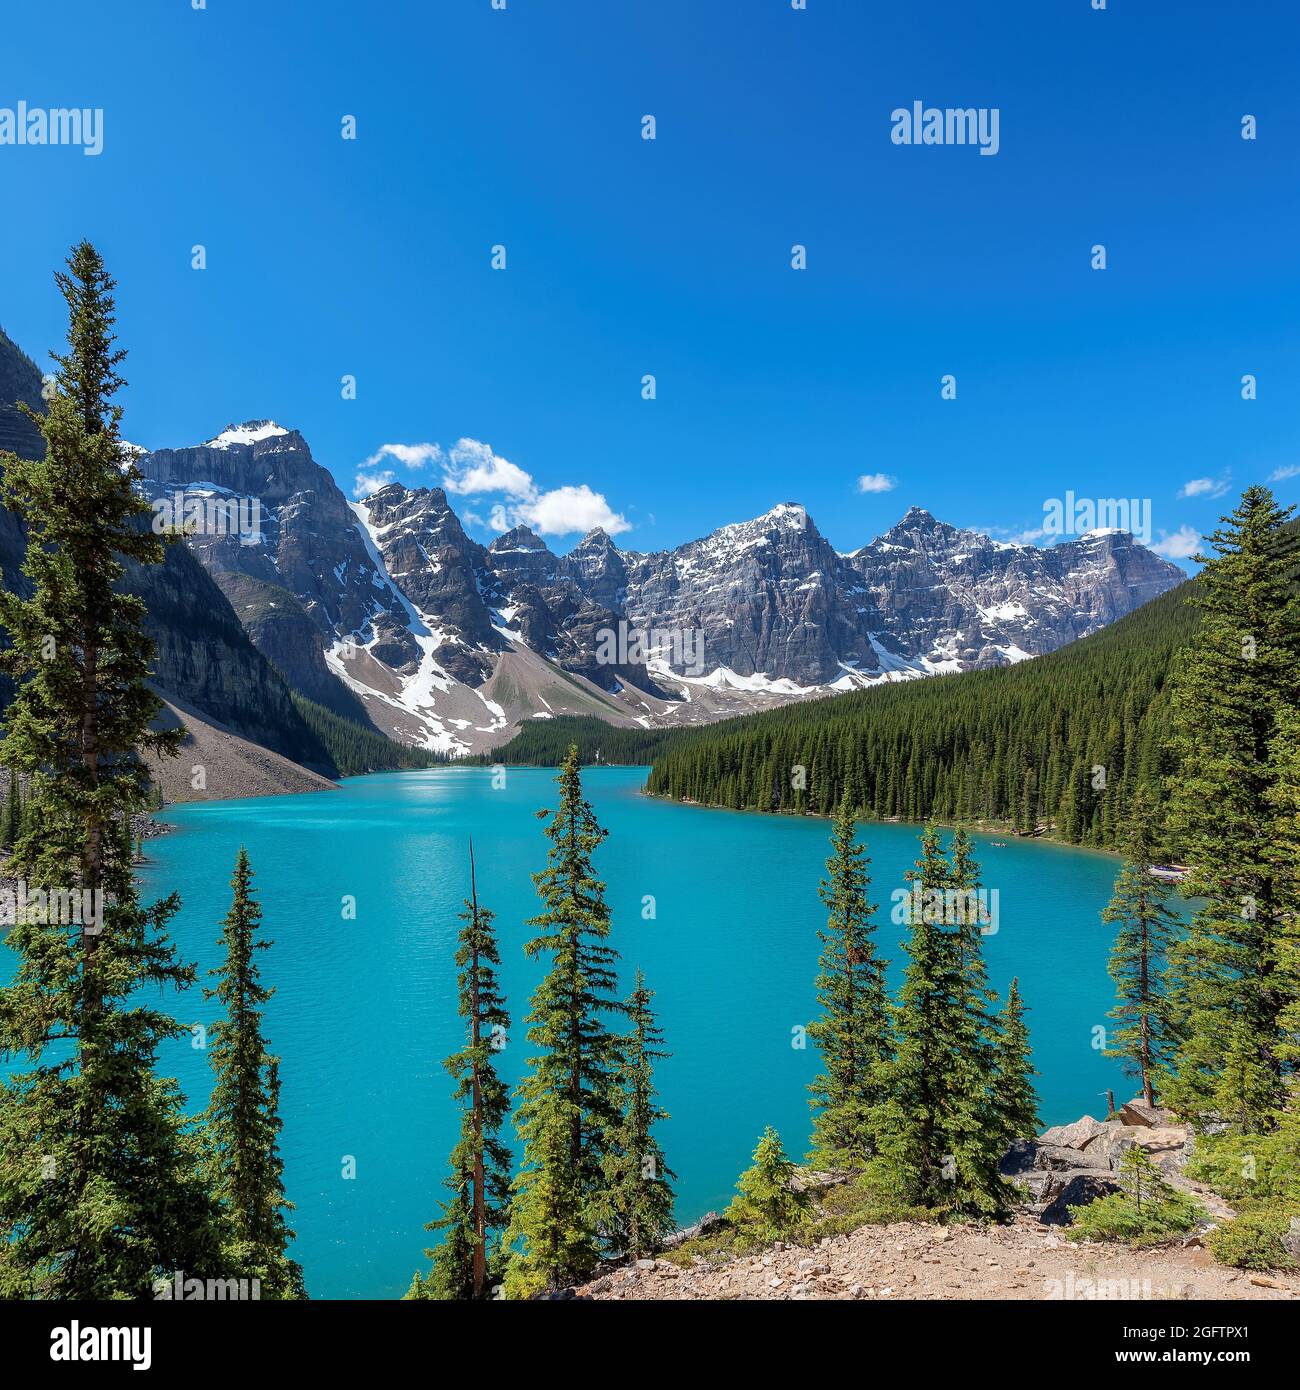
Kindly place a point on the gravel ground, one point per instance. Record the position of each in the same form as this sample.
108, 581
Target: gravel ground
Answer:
1022, 1260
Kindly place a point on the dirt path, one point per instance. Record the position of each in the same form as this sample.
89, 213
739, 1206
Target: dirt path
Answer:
1024, 1260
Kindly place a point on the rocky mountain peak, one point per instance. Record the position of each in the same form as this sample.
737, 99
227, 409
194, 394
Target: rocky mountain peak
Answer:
249, 433
596, 539
519, 538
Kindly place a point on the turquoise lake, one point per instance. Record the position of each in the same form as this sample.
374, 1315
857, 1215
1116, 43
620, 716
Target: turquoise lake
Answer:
365, 1009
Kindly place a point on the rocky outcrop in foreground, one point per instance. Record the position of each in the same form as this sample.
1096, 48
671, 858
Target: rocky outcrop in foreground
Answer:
1027, 1258
908, 1260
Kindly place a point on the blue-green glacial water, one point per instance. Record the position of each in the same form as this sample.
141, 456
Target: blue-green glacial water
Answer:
365, 1008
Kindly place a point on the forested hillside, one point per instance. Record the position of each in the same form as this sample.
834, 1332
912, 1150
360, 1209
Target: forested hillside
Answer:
1060, 742
544, 742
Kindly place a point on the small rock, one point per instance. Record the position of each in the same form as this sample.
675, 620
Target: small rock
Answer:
645, 1264
1291, 1241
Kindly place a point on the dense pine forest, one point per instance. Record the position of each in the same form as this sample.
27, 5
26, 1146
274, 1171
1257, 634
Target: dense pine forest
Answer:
544, 743
1059, 744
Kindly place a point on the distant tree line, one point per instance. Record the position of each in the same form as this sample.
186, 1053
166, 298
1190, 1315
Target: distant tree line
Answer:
1057, 745
356, 749
1062, 742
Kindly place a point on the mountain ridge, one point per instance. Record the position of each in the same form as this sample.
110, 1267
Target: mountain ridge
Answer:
389, 605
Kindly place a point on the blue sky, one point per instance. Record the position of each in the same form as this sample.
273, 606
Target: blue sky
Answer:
522, 127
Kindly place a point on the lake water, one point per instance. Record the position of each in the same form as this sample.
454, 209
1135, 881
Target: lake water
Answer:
365, 1008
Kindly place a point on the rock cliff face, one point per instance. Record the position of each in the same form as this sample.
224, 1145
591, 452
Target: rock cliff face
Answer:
390, 605
203, 653
271, 526
20, 380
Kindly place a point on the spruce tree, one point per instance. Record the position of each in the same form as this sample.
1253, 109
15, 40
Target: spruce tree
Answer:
766, 1203
566, 1103
976, 1125
243, 1120
939, 1140
852, 1033
911, 1121
1144, 1035
468, 1259
634, 1208
1016, 1104
11, 818
1231, 689
99, 1186
1284, 849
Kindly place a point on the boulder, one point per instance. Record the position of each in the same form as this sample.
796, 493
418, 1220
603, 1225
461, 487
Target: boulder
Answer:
1110, 1144
1139, 1114
1075, 1136
1081, 1189
1034, 1156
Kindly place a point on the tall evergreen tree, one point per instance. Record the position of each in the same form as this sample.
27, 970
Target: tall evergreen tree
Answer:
468, 1259
1016, 1104
243, 1119
11, 818
852, 1033
566, 1103
976, 1124
1284, 850
99, 1185
1144, 1035
1232, 686
634, 1208
912, 1120
939, 1140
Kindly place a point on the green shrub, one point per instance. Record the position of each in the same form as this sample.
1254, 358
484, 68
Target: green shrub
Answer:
1257, 1168
1117, 1218
1253, 1241
1147, 1210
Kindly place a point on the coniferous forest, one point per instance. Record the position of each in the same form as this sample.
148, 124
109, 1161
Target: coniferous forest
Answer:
1059, 744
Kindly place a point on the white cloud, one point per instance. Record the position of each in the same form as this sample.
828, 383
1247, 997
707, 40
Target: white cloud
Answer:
409, 455
472, 467
1181, 545
1280, 475
877, 482
564, 510
368, 483
1204, 487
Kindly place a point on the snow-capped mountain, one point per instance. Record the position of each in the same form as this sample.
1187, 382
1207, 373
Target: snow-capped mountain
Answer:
388, 605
